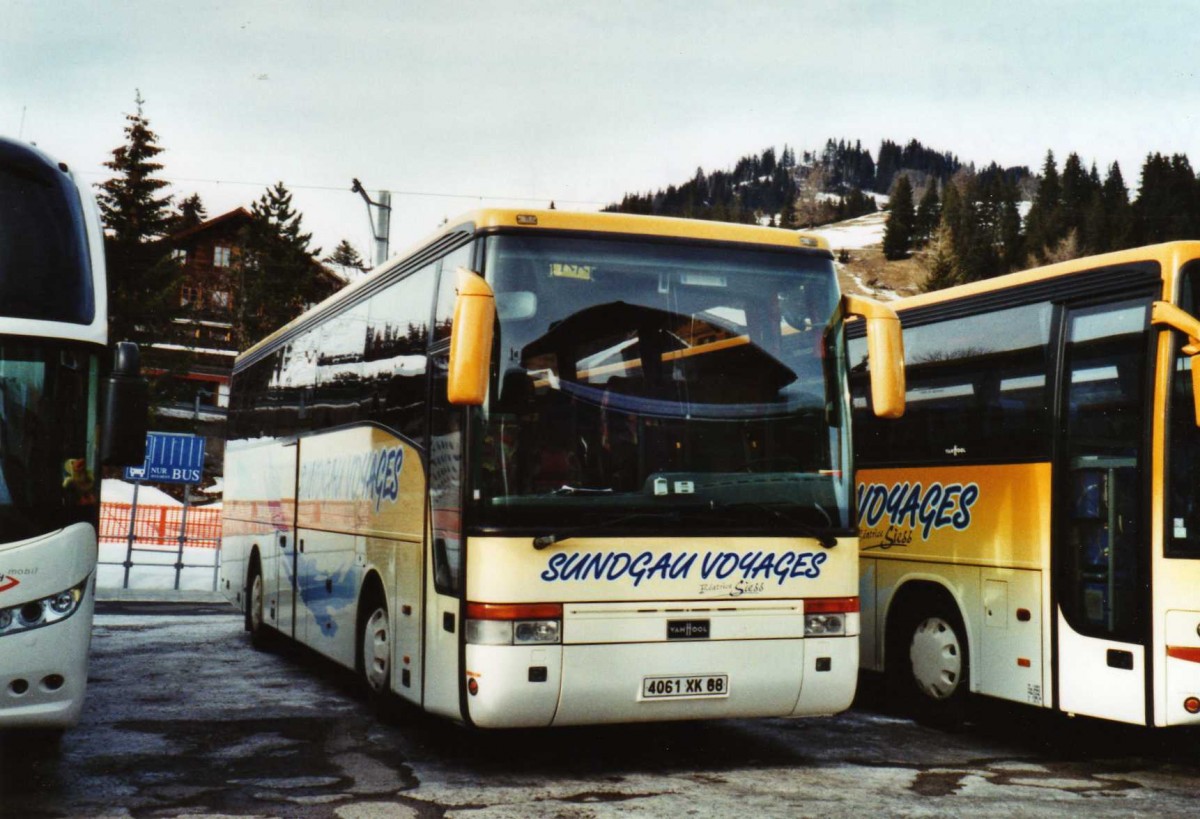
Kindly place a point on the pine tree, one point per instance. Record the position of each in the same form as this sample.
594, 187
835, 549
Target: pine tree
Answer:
941, 268
929, 212
1077, 188
278, 274
1043, 225
142, 279
898, 232
346, 255
1118, 214
191, 213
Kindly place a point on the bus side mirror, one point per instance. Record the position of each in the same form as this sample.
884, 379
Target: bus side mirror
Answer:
126, 409
1171, 316
471, 340
885, 354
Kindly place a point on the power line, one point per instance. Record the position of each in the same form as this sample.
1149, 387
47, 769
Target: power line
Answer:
433, 194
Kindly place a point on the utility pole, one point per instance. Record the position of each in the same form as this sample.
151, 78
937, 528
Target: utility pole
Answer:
381, 224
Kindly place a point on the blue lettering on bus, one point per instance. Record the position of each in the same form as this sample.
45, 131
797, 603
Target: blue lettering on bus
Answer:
936, 506
612, 566
372, 476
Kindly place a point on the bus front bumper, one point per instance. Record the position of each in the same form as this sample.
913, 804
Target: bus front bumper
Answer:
559, 685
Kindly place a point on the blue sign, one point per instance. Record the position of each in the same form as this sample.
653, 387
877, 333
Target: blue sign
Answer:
170, 458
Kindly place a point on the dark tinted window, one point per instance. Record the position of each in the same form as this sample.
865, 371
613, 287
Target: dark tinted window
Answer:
1104, 408
395, 369
45, 271
48, 417
675, 383
1183, 450
366, 363
977, 391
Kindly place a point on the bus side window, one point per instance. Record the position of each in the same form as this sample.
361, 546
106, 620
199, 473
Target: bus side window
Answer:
443, 315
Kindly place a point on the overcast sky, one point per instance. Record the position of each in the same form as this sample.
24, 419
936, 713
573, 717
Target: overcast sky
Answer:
452, 105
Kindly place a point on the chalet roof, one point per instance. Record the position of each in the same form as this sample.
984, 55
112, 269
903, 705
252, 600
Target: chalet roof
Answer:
234, 216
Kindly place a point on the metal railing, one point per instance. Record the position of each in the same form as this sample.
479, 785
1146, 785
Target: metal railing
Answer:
162, 529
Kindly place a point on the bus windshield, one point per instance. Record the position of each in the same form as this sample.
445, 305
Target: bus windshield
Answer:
638, 377
44, 266
48, 418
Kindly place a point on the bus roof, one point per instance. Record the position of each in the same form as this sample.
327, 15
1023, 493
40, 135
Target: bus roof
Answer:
1169, 254
583, 222
634, 224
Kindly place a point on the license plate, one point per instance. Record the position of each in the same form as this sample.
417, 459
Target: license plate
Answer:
674, 688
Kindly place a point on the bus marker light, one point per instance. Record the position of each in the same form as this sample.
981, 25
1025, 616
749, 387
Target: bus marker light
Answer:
1192, 705
1024, 662
473, 686
1023, 615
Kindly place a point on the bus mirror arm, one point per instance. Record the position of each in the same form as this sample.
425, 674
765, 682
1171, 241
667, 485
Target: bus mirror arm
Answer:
885, 354
126, 408
1171, 316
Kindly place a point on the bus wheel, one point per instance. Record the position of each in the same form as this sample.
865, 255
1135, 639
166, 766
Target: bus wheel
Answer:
376, 643
255, 595
933, 658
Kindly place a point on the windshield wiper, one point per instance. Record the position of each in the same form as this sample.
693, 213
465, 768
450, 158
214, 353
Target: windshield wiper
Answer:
545, 541
823, 536
566, 489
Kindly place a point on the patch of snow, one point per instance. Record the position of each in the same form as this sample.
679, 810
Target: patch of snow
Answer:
877, 292
117, 491
853, 234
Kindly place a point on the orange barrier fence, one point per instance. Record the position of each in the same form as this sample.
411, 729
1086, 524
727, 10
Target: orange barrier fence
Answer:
158, 526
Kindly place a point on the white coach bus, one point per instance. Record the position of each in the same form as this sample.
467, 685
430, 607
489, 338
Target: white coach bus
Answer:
556, 469
56, 427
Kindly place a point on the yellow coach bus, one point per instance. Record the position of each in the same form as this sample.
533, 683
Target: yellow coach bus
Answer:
554, 469
1030, 530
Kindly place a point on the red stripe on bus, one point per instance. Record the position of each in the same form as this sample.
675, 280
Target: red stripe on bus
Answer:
514, 611
830, 605
1189, 653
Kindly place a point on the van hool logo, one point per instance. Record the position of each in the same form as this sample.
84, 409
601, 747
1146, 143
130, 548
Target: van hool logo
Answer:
8, 582
891, 514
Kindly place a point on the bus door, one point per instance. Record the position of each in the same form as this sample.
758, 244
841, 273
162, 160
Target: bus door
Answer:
1100, 562
284, 547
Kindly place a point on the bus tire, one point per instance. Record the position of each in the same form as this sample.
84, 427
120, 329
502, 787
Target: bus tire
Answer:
255, 606
929, 665
375, 649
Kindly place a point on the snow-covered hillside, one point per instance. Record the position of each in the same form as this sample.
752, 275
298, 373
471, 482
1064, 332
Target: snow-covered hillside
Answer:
853, 234
866, 271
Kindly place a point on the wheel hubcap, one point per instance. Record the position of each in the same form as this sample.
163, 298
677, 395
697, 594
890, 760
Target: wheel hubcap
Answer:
377, 652
936, 658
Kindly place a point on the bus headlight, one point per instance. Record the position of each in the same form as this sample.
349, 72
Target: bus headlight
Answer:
526, 632
826, 616
507, 624
42, 612
824, 625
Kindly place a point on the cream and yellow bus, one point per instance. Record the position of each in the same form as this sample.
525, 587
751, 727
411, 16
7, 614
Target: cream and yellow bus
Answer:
555, 469
1030, 530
